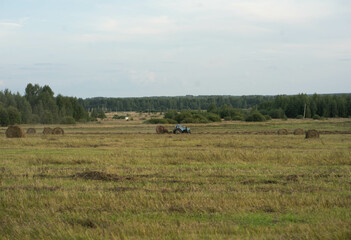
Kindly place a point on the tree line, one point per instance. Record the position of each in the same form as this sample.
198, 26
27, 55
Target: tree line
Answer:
230, 107
39, 105
308, 106
163, 104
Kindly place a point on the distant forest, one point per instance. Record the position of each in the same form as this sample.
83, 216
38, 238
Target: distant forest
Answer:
39, 105
280, 106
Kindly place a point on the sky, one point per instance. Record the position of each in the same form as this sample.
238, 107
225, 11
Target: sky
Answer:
136, 48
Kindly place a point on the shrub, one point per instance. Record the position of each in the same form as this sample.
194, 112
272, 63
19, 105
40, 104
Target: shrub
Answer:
316, 117
238, 118
255, 116
68, 120
299, 117
267, 117
157, 121
118, 117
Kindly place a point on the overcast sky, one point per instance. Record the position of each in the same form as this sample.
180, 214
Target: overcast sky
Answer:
115, 48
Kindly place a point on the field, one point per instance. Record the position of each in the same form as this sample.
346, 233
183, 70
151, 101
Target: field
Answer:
230, 180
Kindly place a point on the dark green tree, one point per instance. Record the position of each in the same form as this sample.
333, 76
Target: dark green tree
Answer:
14, 115
4, 117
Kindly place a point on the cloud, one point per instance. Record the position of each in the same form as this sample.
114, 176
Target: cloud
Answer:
142, 77
141, 25
127, 28
282, 11
10, 25
186, 18
290, 11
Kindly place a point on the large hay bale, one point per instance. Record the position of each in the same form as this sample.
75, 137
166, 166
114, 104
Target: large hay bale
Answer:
15, 131
47, 131
161, 130
282, 132
299, 131
31, 131
312, 134
58, 131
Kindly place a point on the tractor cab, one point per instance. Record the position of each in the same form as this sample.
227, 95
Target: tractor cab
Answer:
179, 128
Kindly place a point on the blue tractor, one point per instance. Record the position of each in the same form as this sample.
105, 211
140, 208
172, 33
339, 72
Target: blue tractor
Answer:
179, 128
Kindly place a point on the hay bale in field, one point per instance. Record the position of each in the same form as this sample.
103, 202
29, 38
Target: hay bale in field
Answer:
299, 131
161, 130
47, 131
282, 132
312, 134
31, 131
15, 131
58, 131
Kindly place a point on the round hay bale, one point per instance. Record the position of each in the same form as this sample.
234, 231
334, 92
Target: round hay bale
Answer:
15, 131
47, 131
312, 134
282, 132
58, 131
161, 130
299, 131
31, 131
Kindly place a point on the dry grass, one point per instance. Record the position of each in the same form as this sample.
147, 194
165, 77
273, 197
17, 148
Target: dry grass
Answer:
107, 181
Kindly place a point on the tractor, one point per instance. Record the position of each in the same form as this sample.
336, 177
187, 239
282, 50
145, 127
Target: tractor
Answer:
179, 128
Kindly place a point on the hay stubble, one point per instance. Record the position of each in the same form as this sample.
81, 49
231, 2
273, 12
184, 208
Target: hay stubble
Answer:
215, 186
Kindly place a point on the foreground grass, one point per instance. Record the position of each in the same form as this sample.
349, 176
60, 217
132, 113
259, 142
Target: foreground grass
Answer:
93, 184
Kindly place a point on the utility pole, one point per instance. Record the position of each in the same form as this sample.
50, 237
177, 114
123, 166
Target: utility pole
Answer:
304, 111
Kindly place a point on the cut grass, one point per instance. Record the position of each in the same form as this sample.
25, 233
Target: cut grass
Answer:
91, 185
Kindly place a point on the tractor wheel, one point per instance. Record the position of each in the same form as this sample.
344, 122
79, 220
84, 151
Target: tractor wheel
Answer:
178, 131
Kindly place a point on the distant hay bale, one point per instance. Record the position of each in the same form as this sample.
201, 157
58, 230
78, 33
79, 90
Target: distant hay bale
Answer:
58, 131
299, 131
15, 131
161, 130
312, 134
282, 132
47, 131
31, 131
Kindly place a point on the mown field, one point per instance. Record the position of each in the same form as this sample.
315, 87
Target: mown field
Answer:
230, 180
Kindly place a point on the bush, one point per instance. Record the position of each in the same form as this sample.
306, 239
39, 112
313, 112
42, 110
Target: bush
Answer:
238, 118
118, 117
267, 117
299, 117
255, 116
68, 120
316, 117
192, 116
157, 121
160, 121
276, 113
227, 118
212, 117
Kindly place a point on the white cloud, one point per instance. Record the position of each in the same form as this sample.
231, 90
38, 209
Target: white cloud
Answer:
10, 25
117, 29
141, 25
290, 11
142, 77
282, 11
